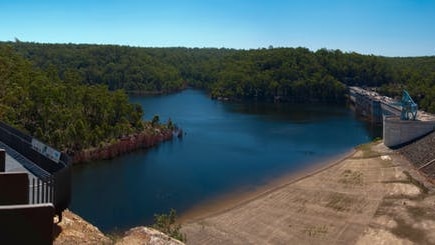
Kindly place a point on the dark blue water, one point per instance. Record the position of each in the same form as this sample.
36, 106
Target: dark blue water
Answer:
226, 146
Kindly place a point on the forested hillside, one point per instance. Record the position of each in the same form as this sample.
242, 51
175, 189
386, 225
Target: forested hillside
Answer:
287, 74
61, 111
417, 75
118, 67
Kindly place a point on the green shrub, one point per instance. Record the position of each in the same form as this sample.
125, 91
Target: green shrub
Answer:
166, 224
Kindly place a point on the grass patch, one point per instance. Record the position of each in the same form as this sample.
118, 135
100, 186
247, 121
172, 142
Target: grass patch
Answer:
377, 140
349, 177
302, 208
367, 150
340, 202
316, 230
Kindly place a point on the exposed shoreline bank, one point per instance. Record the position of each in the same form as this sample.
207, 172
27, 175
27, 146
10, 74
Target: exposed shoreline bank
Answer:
220, 204
363, 196
142, 140
372, 195
245, 194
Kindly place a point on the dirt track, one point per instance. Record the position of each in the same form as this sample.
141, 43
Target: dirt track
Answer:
366, 198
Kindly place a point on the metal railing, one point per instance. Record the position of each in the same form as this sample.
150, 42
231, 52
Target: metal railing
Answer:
41, 191
52, 181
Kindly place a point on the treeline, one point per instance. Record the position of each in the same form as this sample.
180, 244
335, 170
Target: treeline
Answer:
118, 67
417, 75
294, 74
61, 111
289, 74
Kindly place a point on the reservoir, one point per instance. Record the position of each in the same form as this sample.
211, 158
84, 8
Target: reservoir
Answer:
227, 147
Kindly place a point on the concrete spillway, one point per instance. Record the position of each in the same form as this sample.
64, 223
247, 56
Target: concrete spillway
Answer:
382, 109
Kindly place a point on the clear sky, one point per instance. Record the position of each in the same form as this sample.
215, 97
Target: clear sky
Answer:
380, 27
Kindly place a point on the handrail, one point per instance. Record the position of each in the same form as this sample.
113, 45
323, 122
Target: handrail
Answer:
22, 144
53, 179
33, 168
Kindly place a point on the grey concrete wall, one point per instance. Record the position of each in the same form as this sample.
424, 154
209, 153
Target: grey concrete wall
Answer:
397, 132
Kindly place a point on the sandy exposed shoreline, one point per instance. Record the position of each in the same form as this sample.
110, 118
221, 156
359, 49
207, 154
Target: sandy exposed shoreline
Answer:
370, 196
243, 195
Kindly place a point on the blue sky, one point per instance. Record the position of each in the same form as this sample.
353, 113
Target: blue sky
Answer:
380, 27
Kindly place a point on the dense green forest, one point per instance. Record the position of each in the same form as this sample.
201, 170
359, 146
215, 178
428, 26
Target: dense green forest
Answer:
118, 67
417, 75
287, 74
68, 95
61, 111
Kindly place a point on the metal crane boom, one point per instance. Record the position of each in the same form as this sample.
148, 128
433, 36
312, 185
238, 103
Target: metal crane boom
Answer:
409, 107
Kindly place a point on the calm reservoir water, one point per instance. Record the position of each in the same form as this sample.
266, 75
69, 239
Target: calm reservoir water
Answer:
227, 146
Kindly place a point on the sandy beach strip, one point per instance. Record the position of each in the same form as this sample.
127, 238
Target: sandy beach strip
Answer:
243, 195
363, 198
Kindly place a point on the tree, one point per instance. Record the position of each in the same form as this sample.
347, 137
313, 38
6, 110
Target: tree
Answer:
166, 223
294, 74
63, 113
155, 120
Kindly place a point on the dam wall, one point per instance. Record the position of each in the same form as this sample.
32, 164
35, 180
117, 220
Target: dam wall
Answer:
382, 109
398, 132
366, 104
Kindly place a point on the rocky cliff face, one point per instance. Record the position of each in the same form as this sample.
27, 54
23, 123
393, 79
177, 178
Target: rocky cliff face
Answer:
75, 230
146, 236
127, 144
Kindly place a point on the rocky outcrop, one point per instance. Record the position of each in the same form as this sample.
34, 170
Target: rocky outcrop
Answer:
146, 236
75, 230
124, 145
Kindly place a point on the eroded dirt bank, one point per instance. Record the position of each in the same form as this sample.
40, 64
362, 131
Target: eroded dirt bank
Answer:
371, 197
122, 146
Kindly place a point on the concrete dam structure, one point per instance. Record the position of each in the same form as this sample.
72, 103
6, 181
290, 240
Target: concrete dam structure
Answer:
402, 123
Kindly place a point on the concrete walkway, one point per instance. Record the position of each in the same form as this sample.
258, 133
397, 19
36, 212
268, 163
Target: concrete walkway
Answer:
13, 165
